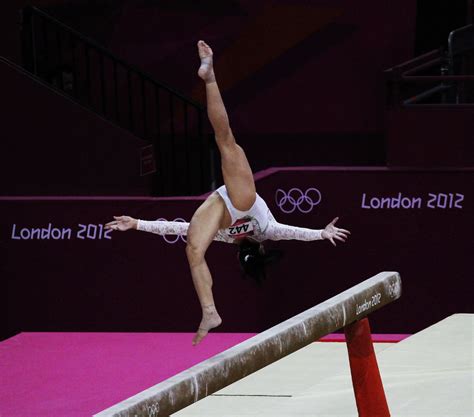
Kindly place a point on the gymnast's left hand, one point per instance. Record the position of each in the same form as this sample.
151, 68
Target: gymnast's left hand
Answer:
333, 233
122, 223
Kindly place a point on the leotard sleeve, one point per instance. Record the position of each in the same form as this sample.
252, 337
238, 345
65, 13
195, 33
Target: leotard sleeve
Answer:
280, 231
163, 227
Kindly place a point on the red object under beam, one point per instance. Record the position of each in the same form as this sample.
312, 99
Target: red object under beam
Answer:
366, 380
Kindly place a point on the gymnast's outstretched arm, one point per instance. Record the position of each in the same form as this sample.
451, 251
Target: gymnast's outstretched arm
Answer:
162, 227
279, 231
159, 227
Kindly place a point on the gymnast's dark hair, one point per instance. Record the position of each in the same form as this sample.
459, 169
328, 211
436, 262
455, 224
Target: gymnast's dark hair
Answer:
253, 261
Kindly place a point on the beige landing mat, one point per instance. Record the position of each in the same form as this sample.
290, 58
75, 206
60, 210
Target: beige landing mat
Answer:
428, 374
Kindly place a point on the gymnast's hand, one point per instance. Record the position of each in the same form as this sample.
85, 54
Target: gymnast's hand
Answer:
332, 232
122, 223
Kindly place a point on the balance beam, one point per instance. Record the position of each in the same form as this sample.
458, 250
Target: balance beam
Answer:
241, 360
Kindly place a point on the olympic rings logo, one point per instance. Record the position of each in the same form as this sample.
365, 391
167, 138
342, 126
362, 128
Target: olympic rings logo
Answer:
294, 199
171, 239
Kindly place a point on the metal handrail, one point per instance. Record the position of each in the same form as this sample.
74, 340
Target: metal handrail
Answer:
426, 65
405, 66
451, 87
441, 106
124, 95
109, 54
432, 78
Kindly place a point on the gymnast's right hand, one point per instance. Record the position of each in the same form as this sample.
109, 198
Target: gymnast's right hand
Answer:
122, 223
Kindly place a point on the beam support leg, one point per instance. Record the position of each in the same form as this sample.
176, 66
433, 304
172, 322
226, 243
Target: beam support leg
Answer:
366, 380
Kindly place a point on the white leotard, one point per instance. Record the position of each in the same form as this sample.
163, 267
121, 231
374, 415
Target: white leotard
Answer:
257, 224
249, 223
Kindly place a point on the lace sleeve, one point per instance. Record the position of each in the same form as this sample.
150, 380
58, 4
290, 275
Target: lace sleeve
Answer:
279, 231
162, 227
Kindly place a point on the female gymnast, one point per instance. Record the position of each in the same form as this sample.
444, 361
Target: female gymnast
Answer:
234, 213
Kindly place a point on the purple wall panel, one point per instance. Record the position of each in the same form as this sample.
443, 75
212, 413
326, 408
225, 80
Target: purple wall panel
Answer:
52, 146
430, 137
132, 281
138, 281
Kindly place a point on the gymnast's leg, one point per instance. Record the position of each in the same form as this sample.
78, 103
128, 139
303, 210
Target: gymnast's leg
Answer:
211, 216
203, 227
236, 170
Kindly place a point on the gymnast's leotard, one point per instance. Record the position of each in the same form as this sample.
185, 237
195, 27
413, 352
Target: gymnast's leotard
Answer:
257, 224
248, 223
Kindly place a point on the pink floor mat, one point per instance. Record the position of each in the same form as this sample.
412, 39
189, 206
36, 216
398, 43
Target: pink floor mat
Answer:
80, 374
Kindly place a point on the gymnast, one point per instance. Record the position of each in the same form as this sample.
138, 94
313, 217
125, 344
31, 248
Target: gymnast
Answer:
234, 213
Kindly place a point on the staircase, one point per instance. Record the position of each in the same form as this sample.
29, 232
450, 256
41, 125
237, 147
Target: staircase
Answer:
180, 157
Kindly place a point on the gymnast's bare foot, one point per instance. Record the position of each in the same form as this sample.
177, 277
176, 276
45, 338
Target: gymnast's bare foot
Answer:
210, 320
206, 70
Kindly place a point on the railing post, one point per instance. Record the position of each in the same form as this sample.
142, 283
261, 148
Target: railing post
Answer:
173, 173
130, 101
88, 74
158, 187
75, 78
27, 40
366, 380
396, 96
59, 59
103, 91
144, 109
116, 94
